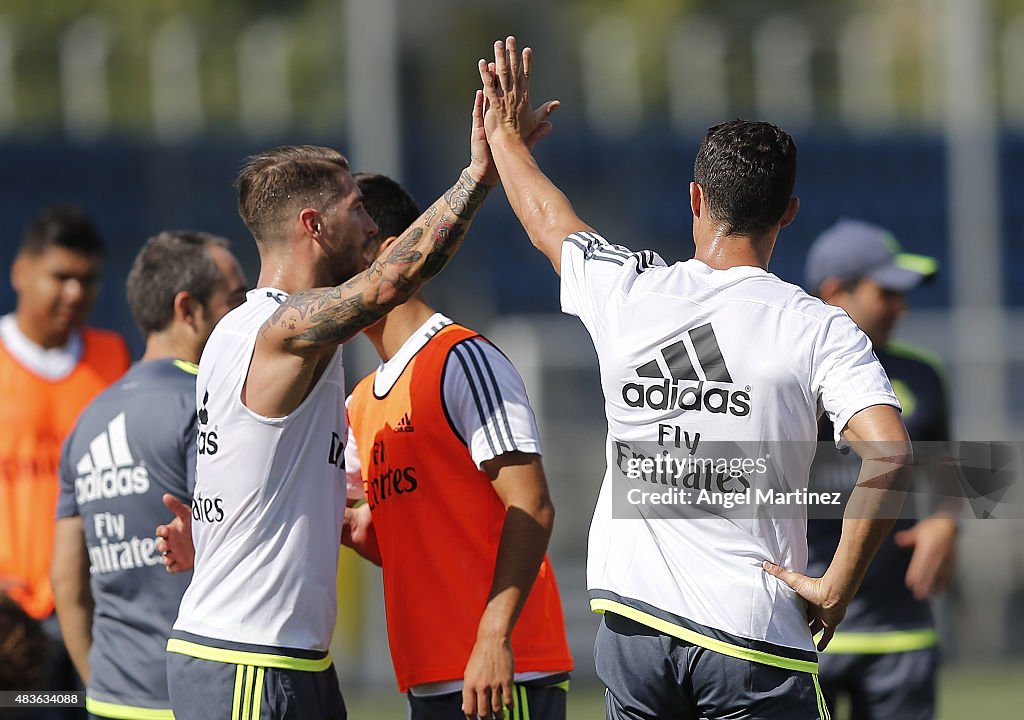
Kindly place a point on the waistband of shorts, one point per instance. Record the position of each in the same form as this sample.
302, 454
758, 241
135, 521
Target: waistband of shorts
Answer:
117, 711
882, 643
719, 641
233, 653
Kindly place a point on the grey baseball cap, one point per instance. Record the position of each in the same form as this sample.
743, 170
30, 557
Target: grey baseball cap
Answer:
854, 249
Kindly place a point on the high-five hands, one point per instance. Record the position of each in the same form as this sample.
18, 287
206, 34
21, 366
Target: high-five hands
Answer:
506, 95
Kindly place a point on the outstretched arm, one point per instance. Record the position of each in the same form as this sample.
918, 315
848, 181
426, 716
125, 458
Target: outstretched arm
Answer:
877, 434
544, 211
293, 343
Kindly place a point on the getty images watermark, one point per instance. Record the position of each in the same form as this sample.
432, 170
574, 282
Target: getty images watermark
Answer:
693, 478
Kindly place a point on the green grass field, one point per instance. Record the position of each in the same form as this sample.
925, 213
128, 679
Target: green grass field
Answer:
967, 692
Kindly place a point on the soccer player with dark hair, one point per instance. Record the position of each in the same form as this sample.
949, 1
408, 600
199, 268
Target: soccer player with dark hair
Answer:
51, 365
443, 428
710, 617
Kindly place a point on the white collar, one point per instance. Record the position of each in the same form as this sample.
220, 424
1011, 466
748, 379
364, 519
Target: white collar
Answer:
49, 363
388, 373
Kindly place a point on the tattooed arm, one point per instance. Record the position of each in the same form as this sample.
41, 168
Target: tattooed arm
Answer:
298, 340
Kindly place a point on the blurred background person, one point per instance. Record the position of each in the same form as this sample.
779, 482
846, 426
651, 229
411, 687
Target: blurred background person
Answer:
136, 441
884, 657
51, 365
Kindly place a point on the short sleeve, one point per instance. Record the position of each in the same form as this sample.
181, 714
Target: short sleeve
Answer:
486, 403
847, 376
67, 503
592, 270
353, 468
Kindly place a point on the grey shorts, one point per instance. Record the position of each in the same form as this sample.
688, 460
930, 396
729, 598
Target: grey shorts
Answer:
895, 685
653, 675
211, 690
543, 699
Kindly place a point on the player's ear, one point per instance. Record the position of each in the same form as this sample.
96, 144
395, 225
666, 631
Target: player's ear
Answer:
791, 211
386, 244
186, 308
828, 290
696, 199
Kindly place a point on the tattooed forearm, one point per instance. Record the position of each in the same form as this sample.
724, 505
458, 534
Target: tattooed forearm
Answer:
434, 264
404, 250
466, 196
337, 324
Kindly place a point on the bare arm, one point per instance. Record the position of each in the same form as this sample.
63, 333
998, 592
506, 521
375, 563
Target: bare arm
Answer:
518, 478
358, 533
544, 211
69, 574
877, 434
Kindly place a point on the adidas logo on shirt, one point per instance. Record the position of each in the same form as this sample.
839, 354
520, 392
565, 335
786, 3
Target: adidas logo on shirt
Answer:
684, 387
404, 425
108, 469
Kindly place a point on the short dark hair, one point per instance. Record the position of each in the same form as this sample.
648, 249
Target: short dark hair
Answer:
746, 171
291, 176
24, 648
173, 261
63, 226
388, 203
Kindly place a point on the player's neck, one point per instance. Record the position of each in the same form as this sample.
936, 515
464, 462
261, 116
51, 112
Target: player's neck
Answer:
722, 251
169, 344
390, 334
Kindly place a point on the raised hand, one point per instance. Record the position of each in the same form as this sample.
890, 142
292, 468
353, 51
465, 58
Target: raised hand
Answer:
506, 91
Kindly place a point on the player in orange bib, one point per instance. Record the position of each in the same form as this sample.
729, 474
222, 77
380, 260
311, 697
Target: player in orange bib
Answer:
51, 366
457, 511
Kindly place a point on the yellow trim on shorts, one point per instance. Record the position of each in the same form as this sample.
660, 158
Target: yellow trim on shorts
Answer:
882, 643
125, 712
822, 703
236, 694
243, 657
600, 605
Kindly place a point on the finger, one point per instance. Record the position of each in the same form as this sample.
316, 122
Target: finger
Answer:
794, 580
483, 702
546, 109
177, 507
501, 65
826, 638
496, 700
478, 110
904, 538
507, 695
487, 78
162, 547
513, 62
816, 626
469, 703
162, 531
525, 78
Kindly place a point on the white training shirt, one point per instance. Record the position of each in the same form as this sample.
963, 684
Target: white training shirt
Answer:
766, 359
269, 501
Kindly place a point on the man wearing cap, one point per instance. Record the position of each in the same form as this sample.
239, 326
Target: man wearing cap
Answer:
885, 657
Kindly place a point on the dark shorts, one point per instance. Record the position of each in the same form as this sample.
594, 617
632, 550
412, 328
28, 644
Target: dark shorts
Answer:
650, 675
542, 699
897, 685
210, 690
